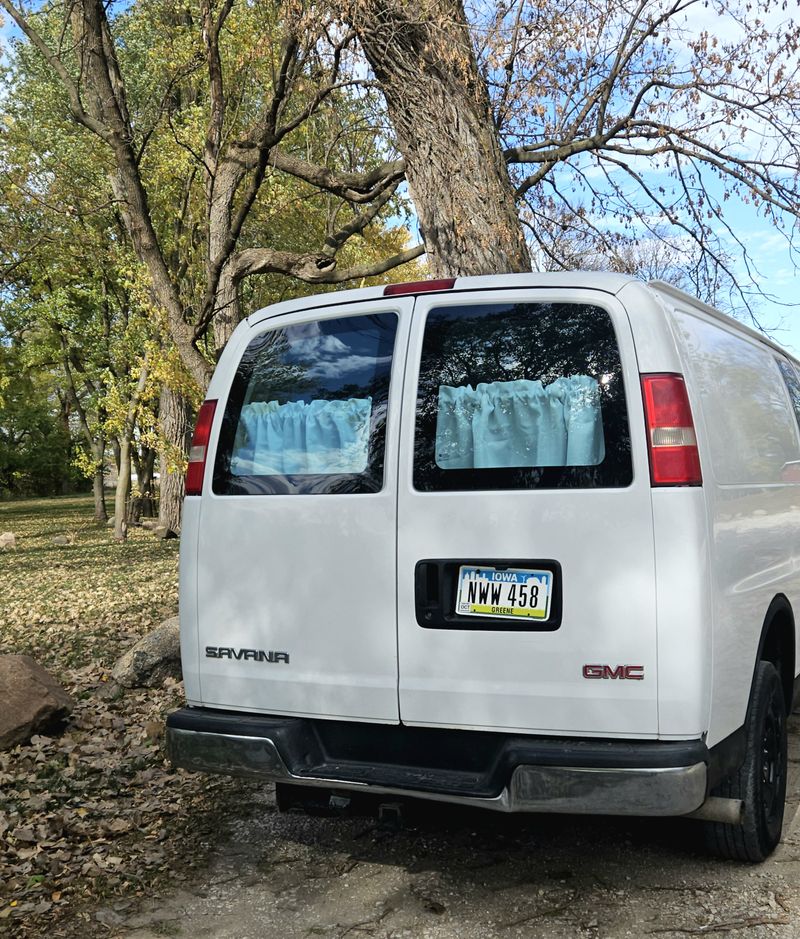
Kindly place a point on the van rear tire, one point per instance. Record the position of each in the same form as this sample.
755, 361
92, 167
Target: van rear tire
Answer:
760, 782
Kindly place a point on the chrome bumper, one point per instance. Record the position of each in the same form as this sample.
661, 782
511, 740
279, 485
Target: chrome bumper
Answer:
567, 789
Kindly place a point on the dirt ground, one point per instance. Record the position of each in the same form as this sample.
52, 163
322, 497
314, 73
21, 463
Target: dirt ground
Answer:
475, 875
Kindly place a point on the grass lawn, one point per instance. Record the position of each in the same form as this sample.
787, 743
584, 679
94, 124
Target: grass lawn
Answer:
80, 603
95, 818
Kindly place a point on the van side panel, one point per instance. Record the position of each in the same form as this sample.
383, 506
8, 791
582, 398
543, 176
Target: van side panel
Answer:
747, 432
684, 611
187, 601
682, 550
190, 535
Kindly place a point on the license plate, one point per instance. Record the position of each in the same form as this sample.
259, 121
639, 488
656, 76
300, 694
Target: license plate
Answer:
504, 593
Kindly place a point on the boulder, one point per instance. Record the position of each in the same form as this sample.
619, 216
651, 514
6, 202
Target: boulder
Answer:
154, 657
33, 701
7, 540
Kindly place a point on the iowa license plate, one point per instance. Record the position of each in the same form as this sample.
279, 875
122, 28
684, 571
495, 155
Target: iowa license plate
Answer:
504, 593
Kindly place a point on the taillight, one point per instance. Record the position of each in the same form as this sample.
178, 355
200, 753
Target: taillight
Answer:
199, 450
419, 286
672, 443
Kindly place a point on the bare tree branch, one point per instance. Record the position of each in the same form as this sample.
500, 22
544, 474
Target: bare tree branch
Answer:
353, 187
306, 267
358, 223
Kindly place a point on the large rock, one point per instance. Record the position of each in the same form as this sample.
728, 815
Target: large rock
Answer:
155, 657
32, 700
7, 540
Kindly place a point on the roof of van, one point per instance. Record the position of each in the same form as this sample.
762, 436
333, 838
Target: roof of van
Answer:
608, 283
587, 280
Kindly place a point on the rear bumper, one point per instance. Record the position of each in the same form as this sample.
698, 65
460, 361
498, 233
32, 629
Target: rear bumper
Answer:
494, 771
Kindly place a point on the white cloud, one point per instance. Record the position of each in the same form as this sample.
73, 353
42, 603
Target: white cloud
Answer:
342, 367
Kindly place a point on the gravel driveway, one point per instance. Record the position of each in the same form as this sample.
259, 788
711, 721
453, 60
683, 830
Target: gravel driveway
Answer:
456, 873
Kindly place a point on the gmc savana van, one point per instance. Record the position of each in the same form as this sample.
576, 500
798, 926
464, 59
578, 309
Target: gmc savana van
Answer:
526, 542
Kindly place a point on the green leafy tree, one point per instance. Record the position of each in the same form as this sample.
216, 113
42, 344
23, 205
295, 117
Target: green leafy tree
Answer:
177, 188
201, 112
35, 436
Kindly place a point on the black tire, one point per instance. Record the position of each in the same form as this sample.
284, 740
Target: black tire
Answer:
760, 781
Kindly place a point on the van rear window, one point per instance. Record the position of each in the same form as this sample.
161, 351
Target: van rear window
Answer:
520, 396
307, 410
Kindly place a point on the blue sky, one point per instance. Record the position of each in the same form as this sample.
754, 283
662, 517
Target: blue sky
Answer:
781, 318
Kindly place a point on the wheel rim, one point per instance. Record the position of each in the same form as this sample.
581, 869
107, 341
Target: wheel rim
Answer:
772, 762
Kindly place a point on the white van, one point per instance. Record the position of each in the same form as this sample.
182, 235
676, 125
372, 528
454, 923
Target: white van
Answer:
527, 542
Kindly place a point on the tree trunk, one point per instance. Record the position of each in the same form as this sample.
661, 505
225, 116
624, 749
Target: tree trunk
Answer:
123, 489
147, 484
96, 440
64, 416
100, 510
176, 428
124, 479
438, 103
98, 452
107, 115
143, 501
228, 309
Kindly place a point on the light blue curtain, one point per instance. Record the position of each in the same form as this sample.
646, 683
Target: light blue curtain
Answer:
300, 438
520, 423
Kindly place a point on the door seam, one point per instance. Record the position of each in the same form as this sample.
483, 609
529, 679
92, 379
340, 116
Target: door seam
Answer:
400, 427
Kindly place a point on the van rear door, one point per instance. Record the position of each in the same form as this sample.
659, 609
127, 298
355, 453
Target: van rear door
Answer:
526, 591
296, 559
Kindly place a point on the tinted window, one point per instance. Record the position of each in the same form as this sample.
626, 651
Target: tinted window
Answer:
307, 410
520, 396
792, 384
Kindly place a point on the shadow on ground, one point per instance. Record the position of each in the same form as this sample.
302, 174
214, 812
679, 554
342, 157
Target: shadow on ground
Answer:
450, 872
